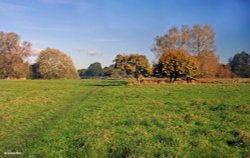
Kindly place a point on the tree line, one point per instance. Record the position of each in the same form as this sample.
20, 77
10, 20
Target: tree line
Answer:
180, 53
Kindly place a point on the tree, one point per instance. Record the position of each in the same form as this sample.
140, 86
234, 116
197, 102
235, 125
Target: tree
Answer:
224, 71
108, 71
94, 69
208, 64
202, 39
240, 64
196, 40
13, 56
34, 71
54, 64
176, 63
81, 72
133, 64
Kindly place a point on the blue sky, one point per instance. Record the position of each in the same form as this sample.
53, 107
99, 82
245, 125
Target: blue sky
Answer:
97, 30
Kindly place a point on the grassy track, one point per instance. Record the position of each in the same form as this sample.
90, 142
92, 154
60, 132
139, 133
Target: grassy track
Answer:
94, 118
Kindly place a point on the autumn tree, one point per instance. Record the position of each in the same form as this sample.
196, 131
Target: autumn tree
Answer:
54, 64
208, 64
240, 64
197, 40
202, 39
13, 56
133, 64
176, 63
174, 39
224, 71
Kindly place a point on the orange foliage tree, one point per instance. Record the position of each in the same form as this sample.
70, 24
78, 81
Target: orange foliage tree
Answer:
13, 56
176, 63
208, 64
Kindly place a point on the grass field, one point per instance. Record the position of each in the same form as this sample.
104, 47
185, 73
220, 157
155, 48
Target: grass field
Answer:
98, 118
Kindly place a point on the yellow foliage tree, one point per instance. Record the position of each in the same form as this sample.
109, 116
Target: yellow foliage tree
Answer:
176, 63
133, 64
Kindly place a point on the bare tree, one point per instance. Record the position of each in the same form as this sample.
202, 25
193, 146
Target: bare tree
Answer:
196, 40
202, 39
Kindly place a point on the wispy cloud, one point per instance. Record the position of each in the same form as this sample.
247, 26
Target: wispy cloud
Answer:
11, 8
108, 40
58, 1
92, 53
88, 52
39, 28
79, 50
79, 5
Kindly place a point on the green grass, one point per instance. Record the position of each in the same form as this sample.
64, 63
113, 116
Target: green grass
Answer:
98, 118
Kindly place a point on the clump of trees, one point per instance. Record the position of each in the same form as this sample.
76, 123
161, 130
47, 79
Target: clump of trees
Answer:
185, 52
54, 64
13, 56
51, 63
198, 41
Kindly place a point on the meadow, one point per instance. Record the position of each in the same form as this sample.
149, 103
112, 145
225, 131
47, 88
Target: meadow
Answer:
104, 118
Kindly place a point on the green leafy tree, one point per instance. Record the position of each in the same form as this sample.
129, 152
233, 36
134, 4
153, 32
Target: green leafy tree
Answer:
176, 63
13, 56
81, 72
108, 71
54, 64
240, 64
94, 69
34, 71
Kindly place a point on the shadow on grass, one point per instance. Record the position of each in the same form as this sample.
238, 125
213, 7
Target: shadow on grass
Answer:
108, 83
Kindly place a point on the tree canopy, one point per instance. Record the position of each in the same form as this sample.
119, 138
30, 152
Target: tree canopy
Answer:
208, 64
94, 69
240, 64
176, 63
54, 64
13, 56
133, 64
197, 40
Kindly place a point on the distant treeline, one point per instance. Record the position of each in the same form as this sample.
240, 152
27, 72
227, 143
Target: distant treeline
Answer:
180, 53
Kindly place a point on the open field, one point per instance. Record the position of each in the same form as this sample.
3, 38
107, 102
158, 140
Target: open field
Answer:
100, 118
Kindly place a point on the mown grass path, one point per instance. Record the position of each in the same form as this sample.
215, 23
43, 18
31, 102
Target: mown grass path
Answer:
94, 118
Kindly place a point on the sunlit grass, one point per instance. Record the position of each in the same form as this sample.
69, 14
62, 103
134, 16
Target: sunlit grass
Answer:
98, 118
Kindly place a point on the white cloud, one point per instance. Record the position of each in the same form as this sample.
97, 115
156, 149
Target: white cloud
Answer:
92, 53
89, 52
